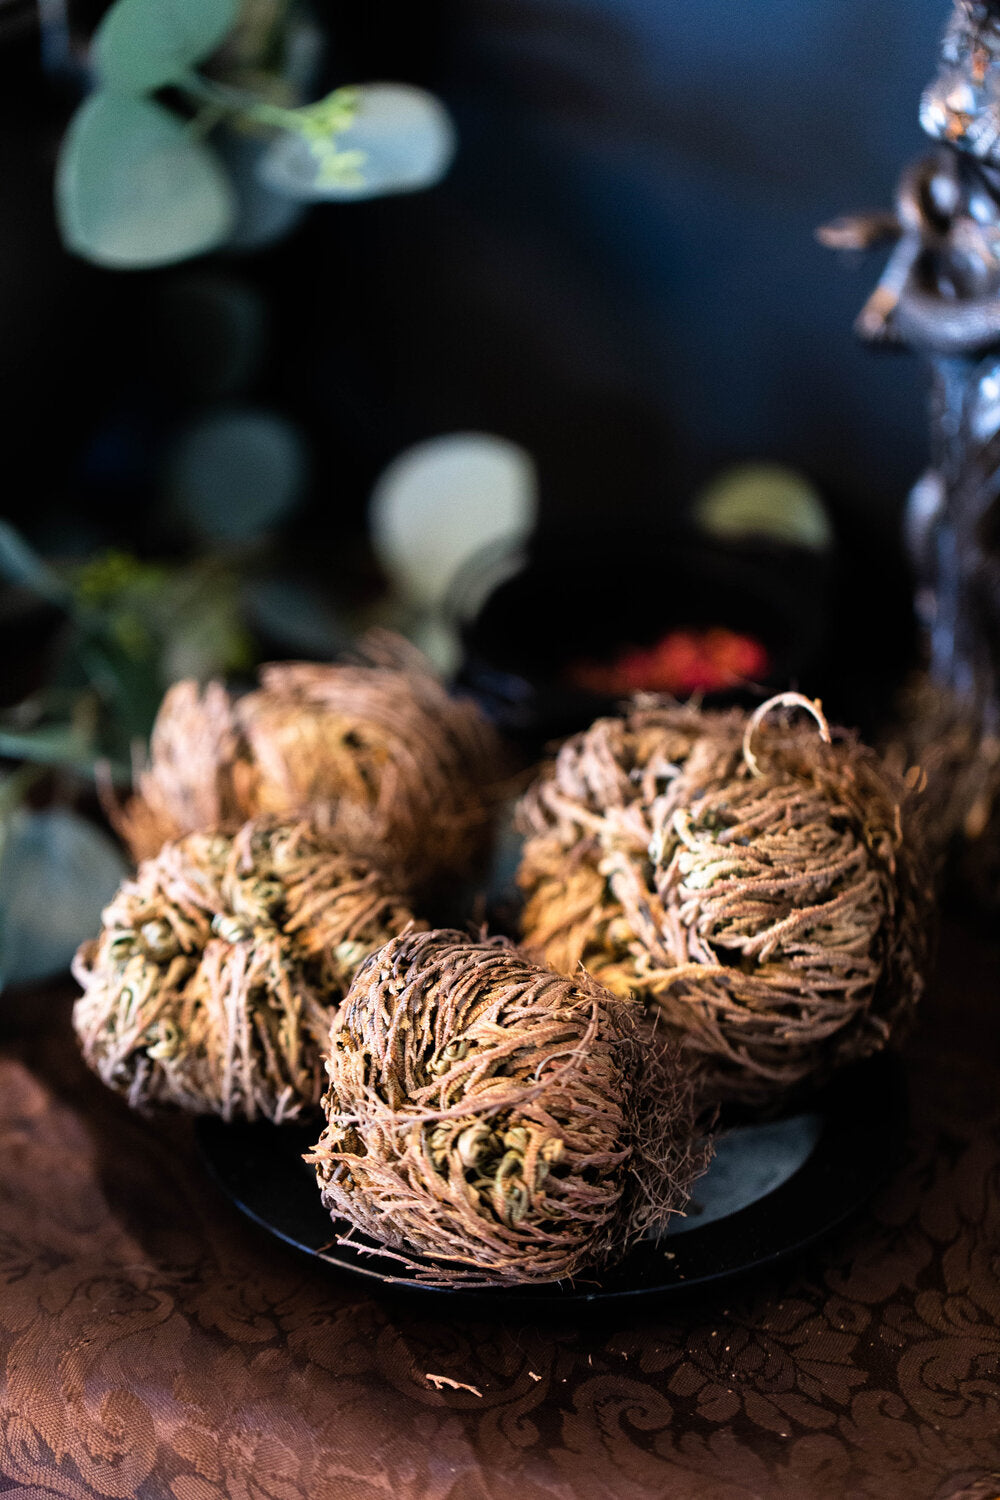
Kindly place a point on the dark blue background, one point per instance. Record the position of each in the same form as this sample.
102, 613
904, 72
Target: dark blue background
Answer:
621, 269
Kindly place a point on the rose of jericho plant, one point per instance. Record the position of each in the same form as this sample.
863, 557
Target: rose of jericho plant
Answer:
492, 1122
220, 965
376, 750
760, 888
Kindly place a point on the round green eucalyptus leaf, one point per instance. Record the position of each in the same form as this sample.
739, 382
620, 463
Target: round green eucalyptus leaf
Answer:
236, 474
766, 501
262, 215
445, 501
142, 45
404, 137
134, 188
56, 873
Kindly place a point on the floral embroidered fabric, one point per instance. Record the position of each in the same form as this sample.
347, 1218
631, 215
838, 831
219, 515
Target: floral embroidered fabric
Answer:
153, 1346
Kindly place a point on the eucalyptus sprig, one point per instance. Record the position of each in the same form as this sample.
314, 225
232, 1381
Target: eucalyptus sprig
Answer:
316, 125
129, 628
139, 182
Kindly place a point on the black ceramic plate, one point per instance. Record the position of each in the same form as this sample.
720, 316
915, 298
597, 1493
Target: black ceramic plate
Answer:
770, 1191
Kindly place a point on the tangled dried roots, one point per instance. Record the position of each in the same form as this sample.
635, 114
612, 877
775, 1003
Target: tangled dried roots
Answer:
198, 776
215, 978
379, 751
495, 1117
761, 890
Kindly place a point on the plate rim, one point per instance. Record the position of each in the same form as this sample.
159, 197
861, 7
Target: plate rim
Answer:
877, 1083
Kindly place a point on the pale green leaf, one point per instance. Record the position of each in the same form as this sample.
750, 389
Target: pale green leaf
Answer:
62, 746
398, 139
142, 45
20, 564
237, 473
49, 745
445, 501
57, 871
134, 188
765, 501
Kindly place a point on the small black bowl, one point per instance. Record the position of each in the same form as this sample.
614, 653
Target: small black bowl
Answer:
587, 597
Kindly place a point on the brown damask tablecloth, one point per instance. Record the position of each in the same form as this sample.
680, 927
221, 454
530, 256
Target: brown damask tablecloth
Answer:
153, 1345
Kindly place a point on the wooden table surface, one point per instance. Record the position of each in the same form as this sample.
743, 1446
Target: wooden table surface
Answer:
153, 1345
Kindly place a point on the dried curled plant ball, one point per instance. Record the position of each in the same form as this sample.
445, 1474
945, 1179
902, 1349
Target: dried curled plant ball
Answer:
762, 890
215, 978
396, 767
198, 776
498, 1119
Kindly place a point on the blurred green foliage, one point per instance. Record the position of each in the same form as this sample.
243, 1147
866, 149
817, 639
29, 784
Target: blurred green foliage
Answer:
138, 182
129, 628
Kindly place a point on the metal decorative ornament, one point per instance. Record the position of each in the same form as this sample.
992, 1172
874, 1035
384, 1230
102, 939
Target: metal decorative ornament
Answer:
940, 295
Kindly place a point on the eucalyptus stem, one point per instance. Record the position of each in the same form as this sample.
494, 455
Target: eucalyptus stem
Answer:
318, 124
235, 102
333, 113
